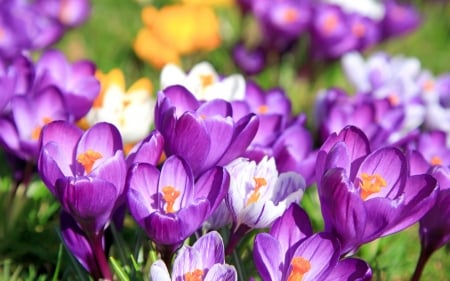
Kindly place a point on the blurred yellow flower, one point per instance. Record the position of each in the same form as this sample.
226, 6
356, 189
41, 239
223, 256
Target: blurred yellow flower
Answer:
130, 111
174, 31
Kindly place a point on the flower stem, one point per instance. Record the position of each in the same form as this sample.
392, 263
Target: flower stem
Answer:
235, 237
423, 259
100, 257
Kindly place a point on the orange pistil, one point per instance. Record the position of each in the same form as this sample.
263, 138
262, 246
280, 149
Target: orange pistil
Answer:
88, 159
428, 86
37, 131
195, 275
371, 184
290, 15
259, 182
436, 161
207, 80
393, 99
170, 194
300, 266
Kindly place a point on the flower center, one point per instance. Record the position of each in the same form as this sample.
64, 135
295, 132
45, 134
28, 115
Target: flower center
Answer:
300, 266
393, 99
290, 15
262, 109
259, 182
358, 29
37, 131
371, 184
195, 275
436, 160
206, 80
88, 159
330, 23
428, 86
170, 194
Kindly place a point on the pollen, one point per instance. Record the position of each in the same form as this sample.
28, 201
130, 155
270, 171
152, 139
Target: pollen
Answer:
290, 15
262, 109
254, 196
170, 194
196, 275
300, 266
88, 159
371, 184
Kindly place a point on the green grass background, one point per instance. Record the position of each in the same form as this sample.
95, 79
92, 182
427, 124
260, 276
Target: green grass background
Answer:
30, 248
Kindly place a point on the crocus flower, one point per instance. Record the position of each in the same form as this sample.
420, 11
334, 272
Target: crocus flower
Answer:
76, 81
290, 251
204, 82
434, 227
161, 41
250, 60
149, 150
170, 204
368, 194
204, 260
131, 111
79, 168
258, 195
399, 19
204, 134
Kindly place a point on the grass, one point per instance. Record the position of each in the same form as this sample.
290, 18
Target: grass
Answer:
29, 242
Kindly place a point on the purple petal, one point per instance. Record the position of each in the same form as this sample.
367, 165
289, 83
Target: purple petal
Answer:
211, 249
103, 138
268, 257
221, 272
213, 185
350, 269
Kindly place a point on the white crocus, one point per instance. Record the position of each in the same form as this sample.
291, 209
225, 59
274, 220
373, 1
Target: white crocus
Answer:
204, 82
130, 111
258, 194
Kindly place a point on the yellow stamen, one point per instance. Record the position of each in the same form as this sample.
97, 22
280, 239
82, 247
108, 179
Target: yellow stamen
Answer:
290, 15
170, 194
436, 161
206, 80
88, 159
259, 182
37, 131
371, 184
300, 266
195, 275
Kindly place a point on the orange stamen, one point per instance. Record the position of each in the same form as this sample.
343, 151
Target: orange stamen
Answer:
170, 194
358, 29
88, 159
330, 23
259, 182
428, 86
436, 161
195, 275
206, 80
262, 109
37, 131
371, 184
300, 266
290, 15
393, 99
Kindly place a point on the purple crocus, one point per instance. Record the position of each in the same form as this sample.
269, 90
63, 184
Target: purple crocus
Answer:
149, 150
368, 194
170, 204
76, 81
290, 251
86, 172
205, 260
399, 19
204, 134
434, 227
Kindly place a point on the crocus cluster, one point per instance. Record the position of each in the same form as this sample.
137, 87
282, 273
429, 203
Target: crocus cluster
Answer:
333, 28
38, 24
36, 93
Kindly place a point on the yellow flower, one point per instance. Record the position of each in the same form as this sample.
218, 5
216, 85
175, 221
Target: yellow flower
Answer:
130, 111
176, 30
